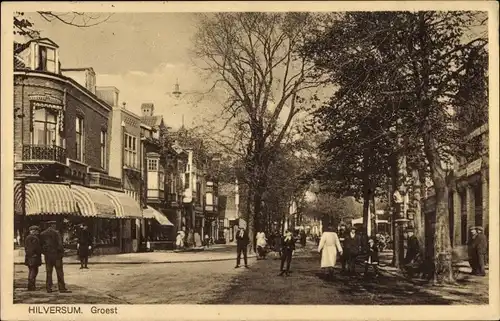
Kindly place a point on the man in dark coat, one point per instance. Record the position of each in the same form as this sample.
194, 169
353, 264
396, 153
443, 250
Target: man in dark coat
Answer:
53, 251
372, 257
352, 248
287, 248
84, 245
481, 249
242, 241
471, 246
33, 255
413, 247
342, 236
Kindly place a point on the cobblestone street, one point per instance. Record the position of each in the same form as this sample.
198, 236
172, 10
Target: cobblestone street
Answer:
218, 282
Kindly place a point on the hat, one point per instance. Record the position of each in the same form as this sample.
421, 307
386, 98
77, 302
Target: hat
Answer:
479, 228
472, 228
34, 228
51, 222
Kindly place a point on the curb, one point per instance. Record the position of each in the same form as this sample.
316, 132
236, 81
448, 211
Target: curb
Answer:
148, 262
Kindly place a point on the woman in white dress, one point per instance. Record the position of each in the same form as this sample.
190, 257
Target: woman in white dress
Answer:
261, 245
329, 245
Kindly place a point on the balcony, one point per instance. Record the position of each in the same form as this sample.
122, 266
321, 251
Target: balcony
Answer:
104, 180
44, 153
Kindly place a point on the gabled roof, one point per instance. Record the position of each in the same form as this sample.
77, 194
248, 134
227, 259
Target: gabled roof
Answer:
46, 41
152, 121
19, 47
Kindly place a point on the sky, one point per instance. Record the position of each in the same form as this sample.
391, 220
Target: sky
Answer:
143, 55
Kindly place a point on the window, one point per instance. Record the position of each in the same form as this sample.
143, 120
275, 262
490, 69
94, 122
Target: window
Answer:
46, 59
44, 127
103, 148
162, 181
130, 151
186, 181
79, 138
152, 165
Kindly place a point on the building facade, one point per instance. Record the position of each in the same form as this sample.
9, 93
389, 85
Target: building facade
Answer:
468, 199
62, 155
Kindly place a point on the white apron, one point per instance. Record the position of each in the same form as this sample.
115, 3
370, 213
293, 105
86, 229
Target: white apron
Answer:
329, 245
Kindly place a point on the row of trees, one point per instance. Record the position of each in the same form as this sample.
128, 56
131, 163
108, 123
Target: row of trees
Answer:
409, 84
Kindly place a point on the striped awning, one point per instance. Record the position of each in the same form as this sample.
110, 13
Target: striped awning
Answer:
92, 202
150, 212
125, 206
44, 199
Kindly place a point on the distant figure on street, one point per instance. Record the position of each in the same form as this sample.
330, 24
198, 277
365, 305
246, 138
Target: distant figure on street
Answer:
352, 248
197, 239
33, 255
84, 246
342, 236
179, 240
207, 240
53, 251
328, 246
303, 238
287, 249
190, 238
242, 241
261, 244
372, 259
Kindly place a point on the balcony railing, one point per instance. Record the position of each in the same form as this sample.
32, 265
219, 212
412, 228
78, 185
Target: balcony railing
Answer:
104, 180
44, 153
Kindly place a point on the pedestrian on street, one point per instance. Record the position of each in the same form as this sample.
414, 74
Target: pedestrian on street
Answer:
207, 240
179, 240
372, 257
197, 239
352, 248
342, 236
261, 244
33, 255
328, 246
480, 249
303, 238
84, 246
242, 241
287, 249
413, 247
53, 251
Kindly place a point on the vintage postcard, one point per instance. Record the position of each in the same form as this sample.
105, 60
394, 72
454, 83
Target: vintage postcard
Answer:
250, 160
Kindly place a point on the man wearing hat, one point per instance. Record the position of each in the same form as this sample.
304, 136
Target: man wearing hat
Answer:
242, 241
413, 247
53, 251
33, 255
478, 251
84, 246
471, 246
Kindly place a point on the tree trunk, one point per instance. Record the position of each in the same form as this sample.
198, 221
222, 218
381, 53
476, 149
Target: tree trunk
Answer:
374, 215
417, 210
366, 211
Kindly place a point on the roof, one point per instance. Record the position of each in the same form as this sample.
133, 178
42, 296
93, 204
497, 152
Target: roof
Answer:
18, 63
152, 121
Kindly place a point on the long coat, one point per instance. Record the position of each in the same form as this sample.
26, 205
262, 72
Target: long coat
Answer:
52, 245
33, 251
84, 241
352, 245
329, 245
242, 240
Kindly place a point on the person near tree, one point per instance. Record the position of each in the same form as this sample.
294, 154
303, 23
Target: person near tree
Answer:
471, 246
242, 241
53, 251
328, 246
342, 236
261, 244
287, 249
33, 255
84, 246
352, 248
372, 259
481, 250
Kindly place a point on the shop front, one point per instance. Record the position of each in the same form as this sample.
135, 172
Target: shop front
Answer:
159, 229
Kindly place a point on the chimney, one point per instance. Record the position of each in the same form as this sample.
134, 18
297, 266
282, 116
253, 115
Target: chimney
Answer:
109, 94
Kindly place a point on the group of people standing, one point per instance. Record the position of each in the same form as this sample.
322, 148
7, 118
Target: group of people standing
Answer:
191, 239
50, 244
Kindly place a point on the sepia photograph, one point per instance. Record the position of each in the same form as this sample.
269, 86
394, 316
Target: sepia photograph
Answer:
251, 156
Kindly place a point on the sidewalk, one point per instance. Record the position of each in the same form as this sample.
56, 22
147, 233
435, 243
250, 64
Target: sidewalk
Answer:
208, 255
469, 289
